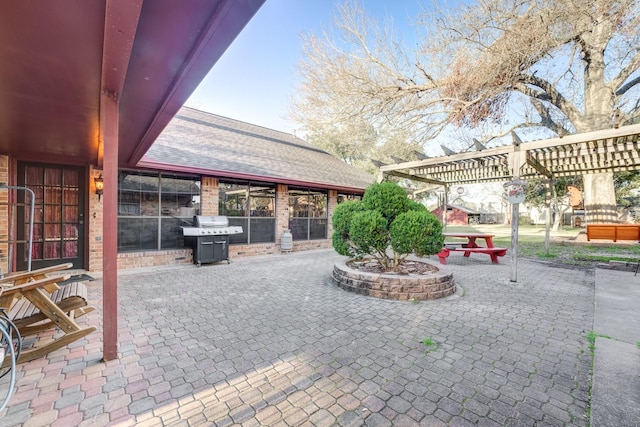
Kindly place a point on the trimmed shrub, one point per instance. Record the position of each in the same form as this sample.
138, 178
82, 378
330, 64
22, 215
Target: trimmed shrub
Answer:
341, 221
369, 234
386, 220
387, 198
415, 231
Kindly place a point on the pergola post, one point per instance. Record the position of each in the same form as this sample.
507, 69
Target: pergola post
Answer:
445, 203
515, 215
547, 199
516, 160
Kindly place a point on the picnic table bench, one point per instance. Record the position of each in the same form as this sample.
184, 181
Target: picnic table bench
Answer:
470, 246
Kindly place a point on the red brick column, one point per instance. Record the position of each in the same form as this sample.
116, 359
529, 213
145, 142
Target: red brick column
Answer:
332, 203
95, 219
209, 195
4, 215
282, 211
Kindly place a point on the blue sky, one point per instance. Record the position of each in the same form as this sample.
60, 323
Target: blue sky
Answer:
255, 78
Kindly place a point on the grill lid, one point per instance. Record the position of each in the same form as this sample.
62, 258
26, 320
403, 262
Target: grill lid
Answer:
210, 221
207, 225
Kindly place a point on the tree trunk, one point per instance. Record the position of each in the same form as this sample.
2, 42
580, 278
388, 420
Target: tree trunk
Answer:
599, 192
599, 198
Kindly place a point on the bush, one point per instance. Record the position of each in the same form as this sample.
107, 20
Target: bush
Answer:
419, 232
387, 198
368, 232
341, 221
386, 219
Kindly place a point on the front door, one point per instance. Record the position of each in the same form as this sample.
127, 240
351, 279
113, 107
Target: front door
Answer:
58, 221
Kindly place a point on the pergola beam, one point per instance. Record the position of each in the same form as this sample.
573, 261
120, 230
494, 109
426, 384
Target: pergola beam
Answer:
538, 166
479, 146
398, 159
416, 178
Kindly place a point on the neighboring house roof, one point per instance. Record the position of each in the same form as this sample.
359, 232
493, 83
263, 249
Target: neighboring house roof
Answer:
208, 144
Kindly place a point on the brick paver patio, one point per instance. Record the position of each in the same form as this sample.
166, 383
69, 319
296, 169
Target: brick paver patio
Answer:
270, 341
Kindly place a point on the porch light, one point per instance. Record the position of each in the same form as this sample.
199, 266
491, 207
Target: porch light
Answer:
99, 183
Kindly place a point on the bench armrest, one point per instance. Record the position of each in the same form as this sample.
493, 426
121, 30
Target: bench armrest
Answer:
10, 290
21, 275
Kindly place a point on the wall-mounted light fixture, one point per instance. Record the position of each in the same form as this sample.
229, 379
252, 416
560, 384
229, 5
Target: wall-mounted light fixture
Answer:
99, 183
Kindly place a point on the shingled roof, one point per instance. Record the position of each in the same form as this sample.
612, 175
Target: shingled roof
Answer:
208, 144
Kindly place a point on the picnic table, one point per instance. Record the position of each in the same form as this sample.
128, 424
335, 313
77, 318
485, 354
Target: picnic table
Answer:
470, 245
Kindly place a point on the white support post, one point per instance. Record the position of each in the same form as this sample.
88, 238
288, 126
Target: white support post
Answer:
547, 224
515, 216
516, 160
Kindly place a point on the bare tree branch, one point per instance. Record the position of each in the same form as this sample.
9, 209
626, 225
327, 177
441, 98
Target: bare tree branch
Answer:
491, 66
548, 93
630, 84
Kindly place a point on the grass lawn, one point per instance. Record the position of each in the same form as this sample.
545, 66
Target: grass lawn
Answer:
566, 246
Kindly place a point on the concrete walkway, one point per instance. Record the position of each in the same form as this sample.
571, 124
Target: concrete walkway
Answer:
270, 341
616, 370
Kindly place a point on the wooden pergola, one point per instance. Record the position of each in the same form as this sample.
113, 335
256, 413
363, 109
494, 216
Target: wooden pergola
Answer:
609, 150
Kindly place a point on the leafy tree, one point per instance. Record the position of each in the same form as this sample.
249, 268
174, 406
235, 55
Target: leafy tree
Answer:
626, 183
357, 143
554, 66
385, 225
537, 195
353, 144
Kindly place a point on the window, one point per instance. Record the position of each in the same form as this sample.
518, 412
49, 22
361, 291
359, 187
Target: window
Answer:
152, 208
250, 205
343, 197
307, 214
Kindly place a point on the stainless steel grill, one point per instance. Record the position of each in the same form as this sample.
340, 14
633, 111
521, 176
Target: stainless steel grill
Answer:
209, 238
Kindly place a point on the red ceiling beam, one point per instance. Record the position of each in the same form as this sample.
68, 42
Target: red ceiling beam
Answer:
121, 24
225, 23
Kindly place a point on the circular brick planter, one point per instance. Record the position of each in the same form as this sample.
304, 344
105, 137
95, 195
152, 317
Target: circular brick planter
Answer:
394, 286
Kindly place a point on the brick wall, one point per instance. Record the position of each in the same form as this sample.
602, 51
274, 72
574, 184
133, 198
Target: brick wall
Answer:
4, 215
94, 216
208, 206
240, 251
154, 258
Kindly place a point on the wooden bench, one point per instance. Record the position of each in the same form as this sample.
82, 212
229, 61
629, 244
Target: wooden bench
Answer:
613, 232
70, 298
494, 253
35, 302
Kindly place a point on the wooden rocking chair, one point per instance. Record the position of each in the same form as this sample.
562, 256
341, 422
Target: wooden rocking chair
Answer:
36, 303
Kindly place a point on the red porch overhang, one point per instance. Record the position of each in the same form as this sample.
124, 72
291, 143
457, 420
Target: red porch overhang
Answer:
57, 58
85, 79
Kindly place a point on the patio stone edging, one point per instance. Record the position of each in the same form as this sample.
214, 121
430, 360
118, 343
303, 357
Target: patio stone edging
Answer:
394, 286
